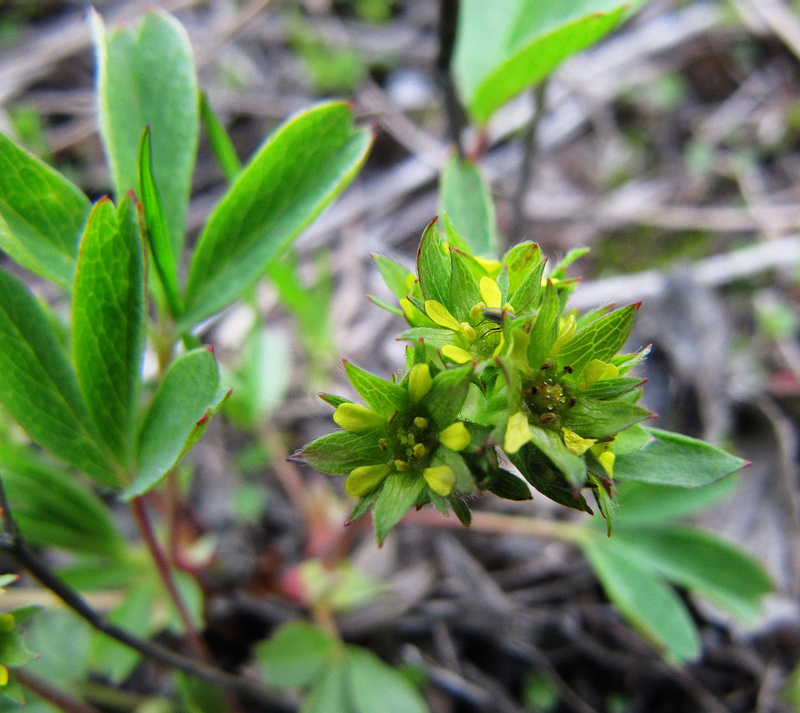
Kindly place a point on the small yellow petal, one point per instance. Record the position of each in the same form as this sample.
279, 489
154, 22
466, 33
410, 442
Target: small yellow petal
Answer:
365, 479
490, 293
457, 354
408, 309
596, 370
356, 418
493, 267
607, 459
456, 436
518, 433
441, 315
576, 444
565, 333
419, 382
3, 675
440, 478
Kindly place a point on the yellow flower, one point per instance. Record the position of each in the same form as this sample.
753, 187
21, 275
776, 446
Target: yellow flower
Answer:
365, 478
518, 433
490, 293
440, 478
457, 354
455, 437
356, 418
419, 382
576, 444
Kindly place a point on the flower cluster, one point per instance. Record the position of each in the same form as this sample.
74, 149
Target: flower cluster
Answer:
496, 362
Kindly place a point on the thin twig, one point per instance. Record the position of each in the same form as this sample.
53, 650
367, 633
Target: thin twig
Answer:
165, 574
50, 693
448, 19
529, 146
12, 545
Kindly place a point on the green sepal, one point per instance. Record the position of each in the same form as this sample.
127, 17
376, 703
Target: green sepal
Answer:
549, 443
545, 327
333, 400
674, 459
592, 418
464, 287
394, 275
435, 337
541, 474
380, 395
446, 397
383, 304
521, 259
626, 362
560, 269
364, 504
601, 339
433, 267
399, 493
528, 295
41, 214
462, 511
613, 388
507, 485
339, 452
14, 651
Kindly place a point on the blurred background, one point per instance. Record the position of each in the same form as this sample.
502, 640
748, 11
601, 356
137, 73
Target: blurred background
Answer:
671, 150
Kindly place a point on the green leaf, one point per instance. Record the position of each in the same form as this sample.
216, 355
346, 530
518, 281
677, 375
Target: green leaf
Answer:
156, 226
528, 295
375, 686
701, 562
447, 394
292, 177
433, 267
572, 467
507, 485
612, 388
198, 696
107, 319
601, 339
395, 275
399, 493
329, 694
53, 509
541, 474
380, 395
39, 388
221, 144
674, 459
295, 655
339, 452
189, 390
643, 598
146, 77
642, 503
520, 260
592, 418
41, 214
465, 197
508, 45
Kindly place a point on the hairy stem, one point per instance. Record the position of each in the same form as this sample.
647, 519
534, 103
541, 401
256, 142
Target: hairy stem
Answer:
448, 20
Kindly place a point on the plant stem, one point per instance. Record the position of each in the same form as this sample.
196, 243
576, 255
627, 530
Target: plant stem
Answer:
448, 20
529, 147
506, 524
48, 692
14, 547
165, 573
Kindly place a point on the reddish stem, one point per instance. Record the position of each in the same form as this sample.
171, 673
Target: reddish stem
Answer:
165, 573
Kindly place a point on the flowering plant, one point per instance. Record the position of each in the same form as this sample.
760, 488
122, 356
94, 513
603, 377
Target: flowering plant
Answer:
499, 365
